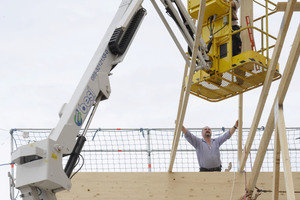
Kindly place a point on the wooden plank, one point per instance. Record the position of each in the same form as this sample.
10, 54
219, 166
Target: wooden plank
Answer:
182, 93
276, 165
289, 184
260, 155
290, 67
267, 84
183, 105
280, 96
240, 130
281, 6
173, 186
246, 10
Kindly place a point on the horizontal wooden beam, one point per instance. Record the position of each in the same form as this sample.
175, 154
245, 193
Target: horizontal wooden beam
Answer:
281, 6
174, 186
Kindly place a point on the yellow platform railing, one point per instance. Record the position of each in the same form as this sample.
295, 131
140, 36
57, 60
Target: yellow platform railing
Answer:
231, 75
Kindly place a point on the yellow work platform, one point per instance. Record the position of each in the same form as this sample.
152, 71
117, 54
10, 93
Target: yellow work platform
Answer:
248, 71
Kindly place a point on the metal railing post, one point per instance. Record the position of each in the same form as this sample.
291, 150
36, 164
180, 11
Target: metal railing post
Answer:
149, 150
12, 174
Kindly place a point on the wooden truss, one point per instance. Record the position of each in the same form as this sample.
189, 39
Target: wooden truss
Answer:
225, 185
276, 117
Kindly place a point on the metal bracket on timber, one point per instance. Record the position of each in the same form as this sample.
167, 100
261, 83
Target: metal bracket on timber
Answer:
186, 87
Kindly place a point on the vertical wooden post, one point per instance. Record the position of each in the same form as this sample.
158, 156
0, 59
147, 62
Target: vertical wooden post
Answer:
276, 165
289, 184
240, 133
246, 10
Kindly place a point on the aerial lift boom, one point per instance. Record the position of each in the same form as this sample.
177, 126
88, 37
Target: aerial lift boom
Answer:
39, 165
40, 173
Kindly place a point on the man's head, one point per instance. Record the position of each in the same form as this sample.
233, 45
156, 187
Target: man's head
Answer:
206, 132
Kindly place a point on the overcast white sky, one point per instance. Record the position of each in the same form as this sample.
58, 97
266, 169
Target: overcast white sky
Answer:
45, 47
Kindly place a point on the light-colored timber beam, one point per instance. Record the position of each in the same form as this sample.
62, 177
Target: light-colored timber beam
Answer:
179, 119
281, 6
267, 84
289, 184
185, 94
281, 93
240, 130
172, 186
276, 165
246, 13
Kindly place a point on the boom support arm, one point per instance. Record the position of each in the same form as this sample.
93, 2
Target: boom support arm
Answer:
40, 173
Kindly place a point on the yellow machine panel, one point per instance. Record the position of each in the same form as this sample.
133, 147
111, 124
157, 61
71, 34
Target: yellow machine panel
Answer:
213, 7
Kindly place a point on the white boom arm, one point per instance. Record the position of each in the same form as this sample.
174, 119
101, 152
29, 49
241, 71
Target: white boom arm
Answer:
40, 173
39, 165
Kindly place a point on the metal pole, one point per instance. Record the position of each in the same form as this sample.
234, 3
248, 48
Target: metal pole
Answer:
12, 190
91, 115
267, 30
149, 150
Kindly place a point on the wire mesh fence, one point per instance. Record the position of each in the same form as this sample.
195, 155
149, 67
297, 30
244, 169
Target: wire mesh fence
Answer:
148, 150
